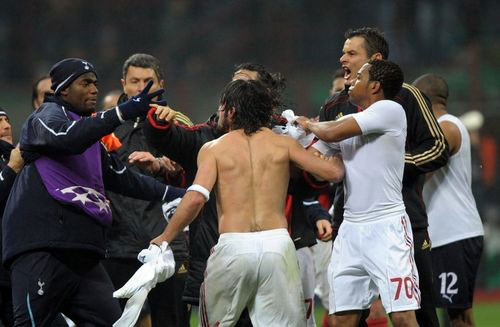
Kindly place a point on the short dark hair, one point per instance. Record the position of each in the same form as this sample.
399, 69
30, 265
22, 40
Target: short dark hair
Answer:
34, 90
434, 87
339, 73
374, 40
253, 104
388, 74
275, 82
143, 60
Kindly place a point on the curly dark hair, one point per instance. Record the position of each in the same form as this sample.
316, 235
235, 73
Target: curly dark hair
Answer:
252, 102
275, 82
388, 74
374, 40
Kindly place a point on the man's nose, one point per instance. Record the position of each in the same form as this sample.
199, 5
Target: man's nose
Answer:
142, 85
342, 58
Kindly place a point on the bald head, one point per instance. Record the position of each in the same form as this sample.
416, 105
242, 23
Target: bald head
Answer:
434, 87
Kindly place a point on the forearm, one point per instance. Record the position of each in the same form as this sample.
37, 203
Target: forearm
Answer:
188, 210
119, 179
314, 211
324, 130
425, 159
62, 136
176, 143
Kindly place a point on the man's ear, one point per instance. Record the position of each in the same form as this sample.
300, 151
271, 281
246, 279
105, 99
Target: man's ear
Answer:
162, 84
376, 56
64, 92
375, 87
231, 112
123, 84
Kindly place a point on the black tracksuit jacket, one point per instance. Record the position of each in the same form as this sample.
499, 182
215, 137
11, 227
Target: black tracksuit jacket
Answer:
33, 220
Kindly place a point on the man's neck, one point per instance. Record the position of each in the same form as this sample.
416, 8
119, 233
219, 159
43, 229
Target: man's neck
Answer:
372, 100
439, 109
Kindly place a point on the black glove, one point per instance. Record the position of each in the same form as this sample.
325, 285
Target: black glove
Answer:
138, 105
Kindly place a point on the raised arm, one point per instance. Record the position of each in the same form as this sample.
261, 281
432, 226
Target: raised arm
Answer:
177, 142
119, 179
331, 169
196, 196
50, 131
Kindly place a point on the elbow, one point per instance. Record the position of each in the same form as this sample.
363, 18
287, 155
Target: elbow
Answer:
196, 201
335, 173
336, 176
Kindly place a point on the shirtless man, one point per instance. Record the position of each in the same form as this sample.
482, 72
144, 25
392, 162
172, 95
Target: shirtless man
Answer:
254, 261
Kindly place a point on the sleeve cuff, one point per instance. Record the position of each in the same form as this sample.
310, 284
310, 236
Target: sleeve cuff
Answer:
119, 115
7, 174
312, 182
153, 122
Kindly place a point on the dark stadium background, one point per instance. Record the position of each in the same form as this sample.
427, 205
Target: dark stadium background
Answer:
199, 42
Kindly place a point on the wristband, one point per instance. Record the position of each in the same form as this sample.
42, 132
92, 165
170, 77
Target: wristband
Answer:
200, 189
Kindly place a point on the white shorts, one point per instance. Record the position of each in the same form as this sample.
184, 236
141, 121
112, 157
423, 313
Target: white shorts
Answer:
306, 266
256, 270
322, 253
371, 259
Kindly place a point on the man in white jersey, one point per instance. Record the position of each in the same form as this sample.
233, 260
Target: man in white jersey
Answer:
254, 263
455, 227
373, 252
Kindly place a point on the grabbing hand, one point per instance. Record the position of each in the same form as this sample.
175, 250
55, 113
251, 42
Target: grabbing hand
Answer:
139, 105
16, 161
324, 230
145, 160
159, 265
162, 257
302, 122
164, 114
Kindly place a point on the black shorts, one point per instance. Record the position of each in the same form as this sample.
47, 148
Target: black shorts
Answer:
71, 282
455, 268
426, 315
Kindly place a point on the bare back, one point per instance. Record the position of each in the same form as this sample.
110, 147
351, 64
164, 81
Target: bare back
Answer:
252, 181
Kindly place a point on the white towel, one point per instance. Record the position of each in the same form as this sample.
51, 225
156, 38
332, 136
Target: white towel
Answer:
295, 132
160, 265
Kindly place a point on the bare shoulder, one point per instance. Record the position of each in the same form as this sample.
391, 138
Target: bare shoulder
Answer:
209, 145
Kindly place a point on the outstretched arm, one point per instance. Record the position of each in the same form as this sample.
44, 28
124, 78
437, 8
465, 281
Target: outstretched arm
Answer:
195, 198
332, 131
331, 168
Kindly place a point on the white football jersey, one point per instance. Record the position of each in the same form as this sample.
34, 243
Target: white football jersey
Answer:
451, 207
374, 163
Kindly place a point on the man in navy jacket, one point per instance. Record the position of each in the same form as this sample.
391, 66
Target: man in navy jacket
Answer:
56, 215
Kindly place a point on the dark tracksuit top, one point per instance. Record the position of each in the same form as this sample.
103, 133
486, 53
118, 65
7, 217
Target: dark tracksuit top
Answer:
182, 145
136, 222
32, 219
426, 149
7, 177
